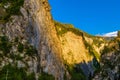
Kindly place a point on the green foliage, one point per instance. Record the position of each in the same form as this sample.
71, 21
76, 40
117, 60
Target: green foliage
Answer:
96, 63
63, 28
45, 76
91, 50
12, 9
15, 57
15, 7
112, 46
4, 38
2, 14
31, 76
16, 39
65, 76
18, 57
20, 47
76, 72
107, 63
60, 28
106, 50
5, 45
97, 41
12, 73
30, 51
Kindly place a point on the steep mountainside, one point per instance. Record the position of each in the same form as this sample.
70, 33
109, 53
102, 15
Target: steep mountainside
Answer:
35, 47
110, 62
80, 51
31, 24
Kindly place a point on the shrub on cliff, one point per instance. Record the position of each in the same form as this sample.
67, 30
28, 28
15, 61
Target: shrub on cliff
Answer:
45, 76
20, 47
12, 7
5, 45
10, 72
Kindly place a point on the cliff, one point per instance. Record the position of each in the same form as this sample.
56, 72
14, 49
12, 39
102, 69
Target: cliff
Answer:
80, 51
34, 25
35, 47
110, 61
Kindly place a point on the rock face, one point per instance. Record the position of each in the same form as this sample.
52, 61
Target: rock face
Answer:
79, 49
36, 26
74, 50
110, 62
39, 44
46, 40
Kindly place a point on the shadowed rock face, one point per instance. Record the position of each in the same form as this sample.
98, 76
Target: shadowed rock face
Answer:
110, 62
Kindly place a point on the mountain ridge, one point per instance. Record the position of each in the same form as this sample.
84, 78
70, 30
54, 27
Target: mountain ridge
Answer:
33, 44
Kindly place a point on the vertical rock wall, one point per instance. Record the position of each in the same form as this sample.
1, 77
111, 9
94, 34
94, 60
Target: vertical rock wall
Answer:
45, 40
35, 25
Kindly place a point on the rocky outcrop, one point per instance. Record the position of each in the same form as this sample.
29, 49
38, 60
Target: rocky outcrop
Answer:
39, 45
110, 59
46, 41
79, 49
36, 26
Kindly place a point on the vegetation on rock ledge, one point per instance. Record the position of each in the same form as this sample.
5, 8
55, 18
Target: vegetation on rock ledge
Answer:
64, 28
75, 72
8, 8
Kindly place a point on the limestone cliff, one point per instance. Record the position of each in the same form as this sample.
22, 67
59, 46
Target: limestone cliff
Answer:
47, 41
79, 49
35, 25
36, 47
110, 61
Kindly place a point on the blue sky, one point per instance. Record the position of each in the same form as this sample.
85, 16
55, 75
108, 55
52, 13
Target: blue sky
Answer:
92, 16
